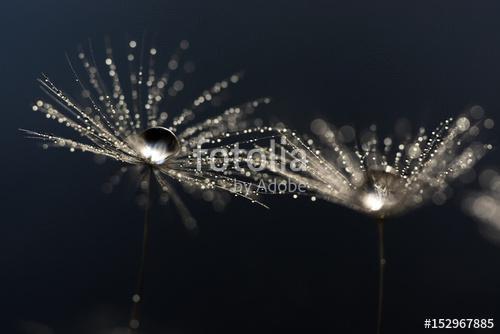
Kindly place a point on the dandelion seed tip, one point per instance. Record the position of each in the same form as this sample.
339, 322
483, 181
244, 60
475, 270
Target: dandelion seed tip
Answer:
136, 298
134, 324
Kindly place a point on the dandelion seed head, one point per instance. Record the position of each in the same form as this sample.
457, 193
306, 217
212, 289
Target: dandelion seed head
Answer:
385, 177
123, 115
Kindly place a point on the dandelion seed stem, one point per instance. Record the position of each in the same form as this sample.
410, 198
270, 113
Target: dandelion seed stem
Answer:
380, 224
137, 298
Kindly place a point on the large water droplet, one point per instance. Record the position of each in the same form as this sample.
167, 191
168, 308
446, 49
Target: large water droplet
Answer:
157, 144
381, 192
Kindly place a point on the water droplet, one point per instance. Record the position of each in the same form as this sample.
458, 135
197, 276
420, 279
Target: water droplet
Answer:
156, 145
463, 124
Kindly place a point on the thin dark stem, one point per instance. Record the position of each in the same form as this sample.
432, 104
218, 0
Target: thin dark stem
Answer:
381, 257
137, 298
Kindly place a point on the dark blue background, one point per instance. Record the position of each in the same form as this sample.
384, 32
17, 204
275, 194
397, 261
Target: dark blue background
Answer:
69, 253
